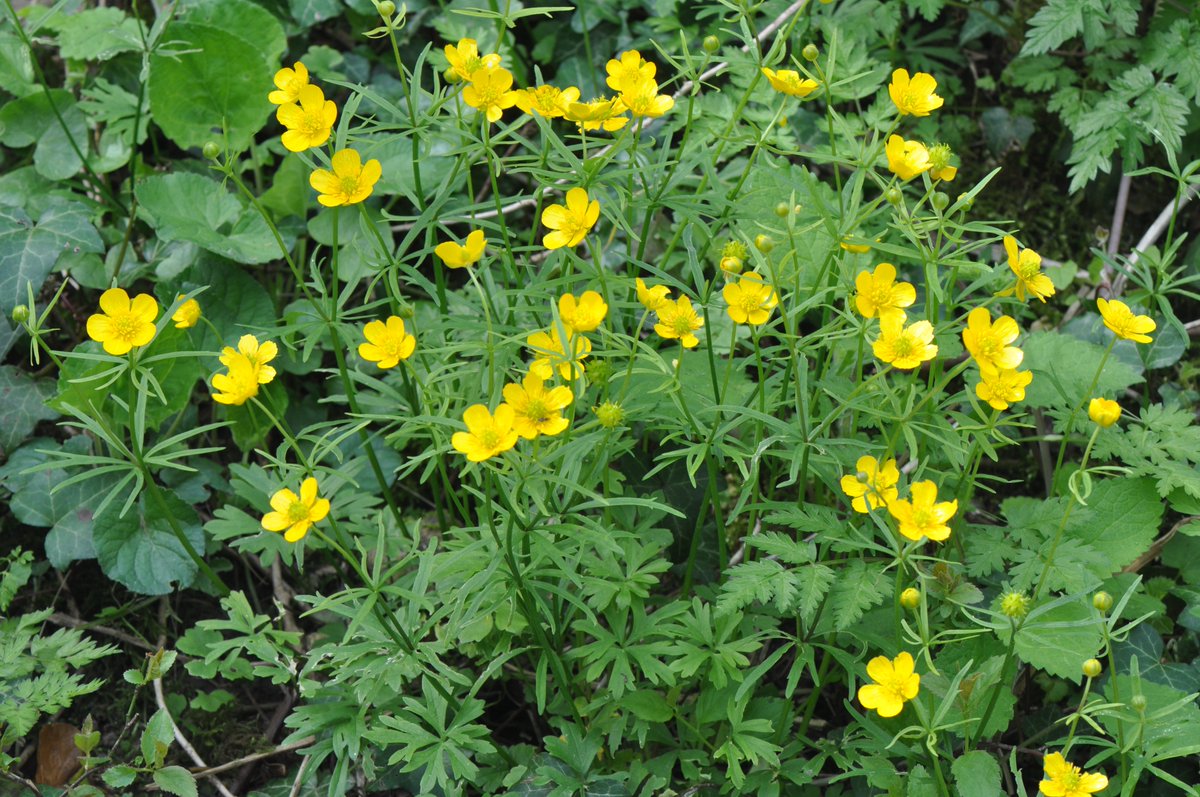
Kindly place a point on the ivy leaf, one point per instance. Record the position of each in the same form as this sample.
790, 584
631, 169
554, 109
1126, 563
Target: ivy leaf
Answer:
1120, 521
22, 405
28, 251
141, 551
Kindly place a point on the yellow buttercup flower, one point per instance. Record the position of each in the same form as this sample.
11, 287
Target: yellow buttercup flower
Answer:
878, 295
571, 223
487, 435
1124, 323
1104, 412
602, 112
628, 70
288, 83
256, 355
350, 182
904, 347
537, 410
896, 682
914, 95
490, 92
295, 514
643, 99
750, 299
238, 384
583, 314
187, 315
308, 121
939, 163
923, 516
1064, 779
858, 249
652, 297
1002, 387
906, 159
387, 342
456, 255
872, 485
551, 354
678, 321
123, 324
988, 342
1027, 265
465, 59
547, 101
788, 81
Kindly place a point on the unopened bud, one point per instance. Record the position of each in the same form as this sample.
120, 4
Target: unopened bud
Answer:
386, 8
763, 243
810, 52
1102, 601
711, 44
1138, 703
1092, 668
782, 209
910, 598
733, 265
20, 314
211, 150
894, 196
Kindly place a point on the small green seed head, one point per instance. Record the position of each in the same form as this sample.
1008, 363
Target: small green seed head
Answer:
609, 414
1014, 604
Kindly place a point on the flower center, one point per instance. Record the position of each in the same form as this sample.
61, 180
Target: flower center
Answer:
537, 411
749, 303
313, 125
922, 518
349, 185
490, 437
903, 346
881, 296
681, 325
125, 326
297, 512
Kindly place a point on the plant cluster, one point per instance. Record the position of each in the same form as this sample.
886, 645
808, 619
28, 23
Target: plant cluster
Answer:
693, 436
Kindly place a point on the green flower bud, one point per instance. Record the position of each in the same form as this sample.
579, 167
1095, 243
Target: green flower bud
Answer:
939, 200
966, 202
763, 243
1102, 601
386, 8
733, 265
20, 314
810, 52
1138, 703
211, 150
910, 598
405, 311
609, 414
1014, 604
1092, 668
711, 44
894, 196
782, 209
450, 75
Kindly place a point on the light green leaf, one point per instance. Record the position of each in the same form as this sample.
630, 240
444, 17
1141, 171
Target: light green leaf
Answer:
1060, 639
1063, 367
193, 208
176, 780
96, 34
16, 69
140, 550
22, 405
211, 84
976, 774
156, 738
1121, 520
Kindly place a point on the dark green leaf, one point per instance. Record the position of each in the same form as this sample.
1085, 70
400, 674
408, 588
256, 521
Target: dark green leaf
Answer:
141, 551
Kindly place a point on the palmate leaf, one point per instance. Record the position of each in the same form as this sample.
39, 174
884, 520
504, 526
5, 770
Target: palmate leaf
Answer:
1164, 446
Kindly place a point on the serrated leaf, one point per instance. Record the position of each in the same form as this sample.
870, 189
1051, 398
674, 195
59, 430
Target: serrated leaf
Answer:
1059, 639
141, 552
812, 585
119, 776
22, 406
176, 780
1063, 367
193, 208
859, 586
96, 34
156, 738
762, 581
976, 774
1120, 520
1053, 24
